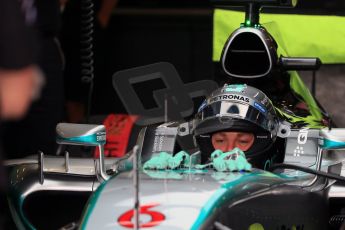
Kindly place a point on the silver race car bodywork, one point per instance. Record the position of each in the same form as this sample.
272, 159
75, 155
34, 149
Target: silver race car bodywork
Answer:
178, 199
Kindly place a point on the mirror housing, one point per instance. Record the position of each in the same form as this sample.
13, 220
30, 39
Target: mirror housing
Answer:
86, 135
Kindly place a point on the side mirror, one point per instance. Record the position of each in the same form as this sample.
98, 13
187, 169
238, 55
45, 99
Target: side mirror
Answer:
332, 139
87, 135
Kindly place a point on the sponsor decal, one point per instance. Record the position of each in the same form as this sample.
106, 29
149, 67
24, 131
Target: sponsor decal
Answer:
298, 151
302, 136
260, 107
235, 88
230, 97
301, 140
125, 220
101, 137
158, 143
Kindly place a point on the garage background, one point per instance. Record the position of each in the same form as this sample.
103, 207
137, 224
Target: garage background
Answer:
143, 32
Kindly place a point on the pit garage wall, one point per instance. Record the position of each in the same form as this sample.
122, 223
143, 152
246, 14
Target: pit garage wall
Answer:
138, 37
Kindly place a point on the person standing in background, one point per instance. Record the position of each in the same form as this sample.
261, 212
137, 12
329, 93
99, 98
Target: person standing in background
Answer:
36, 131
20, 78
18, 73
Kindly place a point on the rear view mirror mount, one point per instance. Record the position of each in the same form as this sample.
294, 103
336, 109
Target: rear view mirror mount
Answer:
86, 135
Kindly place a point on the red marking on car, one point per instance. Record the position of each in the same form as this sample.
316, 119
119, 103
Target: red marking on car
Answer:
118, 128
125, 219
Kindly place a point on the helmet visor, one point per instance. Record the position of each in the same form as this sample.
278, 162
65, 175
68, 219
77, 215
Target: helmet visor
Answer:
226, 110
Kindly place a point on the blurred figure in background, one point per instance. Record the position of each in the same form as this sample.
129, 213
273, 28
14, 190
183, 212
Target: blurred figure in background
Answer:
36, 131
18, 87
20, 79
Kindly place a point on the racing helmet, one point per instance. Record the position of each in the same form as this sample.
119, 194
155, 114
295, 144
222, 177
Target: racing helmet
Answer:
238, 108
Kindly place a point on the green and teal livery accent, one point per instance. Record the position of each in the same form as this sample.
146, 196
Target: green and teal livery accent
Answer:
329, 144
227, 191
93, 139
20, 219
332, 138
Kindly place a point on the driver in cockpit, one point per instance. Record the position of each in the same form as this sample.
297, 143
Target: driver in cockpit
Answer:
238, 116
235, 129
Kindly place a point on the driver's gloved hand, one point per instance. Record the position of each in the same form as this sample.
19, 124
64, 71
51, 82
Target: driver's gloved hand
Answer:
165, 160
235, 160
180, 159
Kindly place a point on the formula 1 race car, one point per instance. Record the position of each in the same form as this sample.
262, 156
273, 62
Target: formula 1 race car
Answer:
59, 189
305, 191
